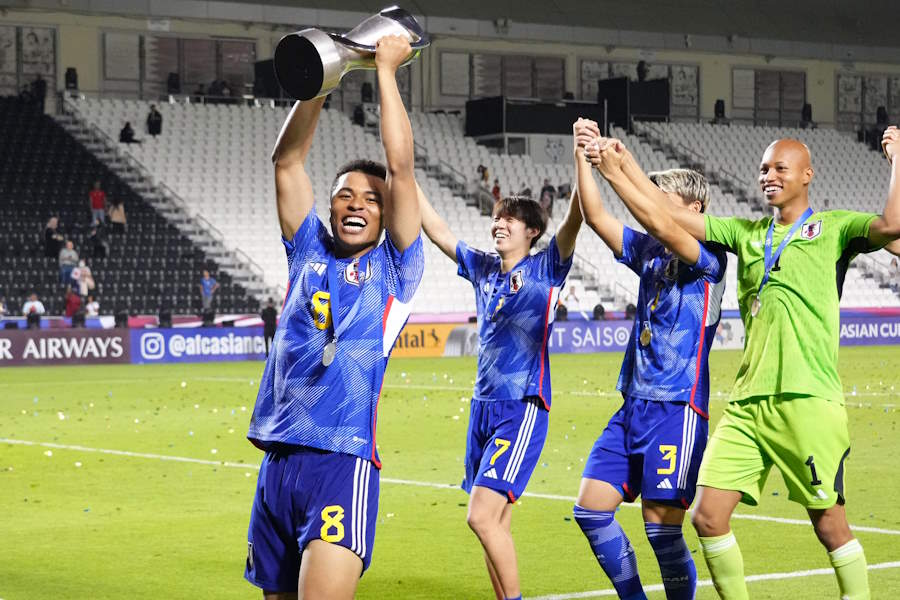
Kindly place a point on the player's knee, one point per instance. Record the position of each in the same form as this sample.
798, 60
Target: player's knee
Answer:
832, 532
709, 523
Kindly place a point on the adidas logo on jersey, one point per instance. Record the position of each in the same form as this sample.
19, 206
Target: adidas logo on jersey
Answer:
665, 484
319, 267
491, 473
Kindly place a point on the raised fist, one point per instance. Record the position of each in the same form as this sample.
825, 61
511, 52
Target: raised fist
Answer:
391, 51
890, 142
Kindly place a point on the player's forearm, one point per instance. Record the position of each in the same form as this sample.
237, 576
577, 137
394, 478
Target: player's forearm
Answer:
645, 210
589, 196
296, 135
594, 212
892, 206
396, 131
435, 227
567, 232
692, 222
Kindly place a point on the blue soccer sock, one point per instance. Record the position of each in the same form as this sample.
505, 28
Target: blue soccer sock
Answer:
519, 597
613, 551
676, 566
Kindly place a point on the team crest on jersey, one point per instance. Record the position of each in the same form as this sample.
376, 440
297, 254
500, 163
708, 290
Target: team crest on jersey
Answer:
351, 272
811, 230
516, 282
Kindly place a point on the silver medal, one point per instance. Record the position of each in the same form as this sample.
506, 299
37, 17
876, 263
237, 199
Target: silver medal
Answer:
754, 308
646, 335
328, 353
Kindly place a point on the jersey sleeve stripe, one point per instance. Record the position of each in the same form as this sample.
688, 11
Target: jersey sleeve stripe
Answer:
374, 456
700, 346
395, 315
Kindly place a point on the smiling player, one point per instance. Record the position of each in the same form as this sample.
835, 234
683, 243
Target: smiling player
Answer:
516, 295
787, 404
653, 445
312, 525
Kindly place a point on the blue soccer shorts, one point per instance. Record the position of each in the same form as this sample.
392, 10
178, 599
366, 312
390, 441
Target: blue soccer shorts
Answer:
652, 449
305, 494
504, 444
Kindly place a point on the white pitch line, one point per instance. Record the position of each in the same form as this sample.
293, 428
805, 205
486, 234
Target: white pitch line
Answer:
658, 587
428, 484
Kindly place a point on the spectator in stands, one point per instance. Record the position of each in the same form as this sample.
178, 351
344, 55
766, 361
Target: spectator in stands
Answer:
73, 302
495, 191
97, 203
547, 194
480, 189
99, 245
200, 91
39, 91
53, 239
117, 215
599, 312
68, 259
894, 271
33, 309
269, 318
92, 307
571, 294
83, 278
154, 121
126, 134
524, 191
208, 287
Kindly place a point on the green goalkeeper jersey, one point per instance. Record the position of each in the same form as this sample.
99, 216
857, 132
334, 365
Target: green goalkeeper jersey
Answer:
791, 346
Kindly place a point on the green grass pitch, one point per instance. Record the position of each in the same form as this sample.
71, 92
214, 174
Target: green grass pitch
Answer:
80, 524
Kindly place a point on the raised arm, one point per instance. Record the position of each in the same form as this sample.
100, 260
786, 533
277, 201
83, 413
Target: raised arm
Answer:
293, 188
658, 223
886, 228
567, 231
436, 228
595, 214
401, 209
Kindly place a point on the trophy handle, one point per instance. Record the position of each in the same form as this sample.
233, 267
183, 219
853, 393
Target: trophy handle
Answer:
419, 44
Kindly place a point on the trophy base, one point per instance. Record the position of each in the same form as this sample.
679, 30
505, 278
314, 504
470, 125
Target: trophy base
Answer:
299, 68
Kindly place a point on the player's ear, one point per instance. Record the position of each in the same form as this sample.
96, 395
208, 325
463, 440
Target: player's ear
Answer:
808, 174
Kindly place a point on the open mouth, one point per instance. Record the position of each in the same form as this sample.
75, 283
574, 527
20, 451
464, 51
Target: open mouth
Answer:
771, 190
353, 224
500, 235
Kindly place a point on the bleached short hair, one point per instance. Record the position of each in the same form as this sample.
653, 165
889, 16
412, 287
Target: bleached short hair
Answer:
687, 183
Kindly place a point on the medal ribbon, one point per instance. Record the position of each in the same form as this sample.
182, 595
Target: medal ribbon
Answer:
334, 297
771, 259
494, 297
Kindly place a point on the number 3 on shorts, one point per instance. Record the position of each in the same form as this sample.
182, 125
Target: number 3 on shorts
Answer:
332, 517
668, 453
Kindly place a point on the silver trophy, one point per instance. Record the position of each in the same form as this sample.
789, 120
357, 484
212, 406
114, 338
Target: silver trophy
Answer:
311, 62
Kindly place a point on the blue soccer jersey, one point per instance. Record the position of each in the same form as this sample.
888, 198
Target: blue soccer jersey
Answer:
680, 305
515, 316
301, 401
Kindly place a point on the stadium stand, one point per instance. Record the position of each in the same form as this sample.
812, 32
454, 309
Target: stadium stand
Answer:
45, 172
216, 158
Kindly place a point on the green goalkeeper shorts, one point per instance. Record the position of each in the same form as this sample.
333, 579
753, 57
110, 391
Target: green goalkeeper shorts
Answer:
804, 436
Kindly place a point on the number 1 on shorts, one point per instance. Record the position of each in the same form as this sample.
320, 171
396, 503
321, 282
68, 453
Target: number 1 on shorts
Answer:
812, 469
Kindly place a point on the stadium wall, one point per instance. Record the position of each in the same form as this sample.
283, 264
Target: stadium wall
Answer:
79, 45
